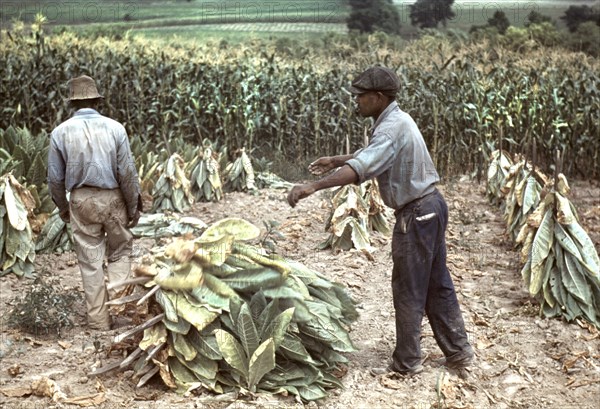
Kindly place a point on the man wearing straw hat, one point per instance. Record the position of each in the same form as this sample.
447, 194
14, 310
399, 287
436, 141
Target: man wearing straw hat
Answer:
398, 158
90, 157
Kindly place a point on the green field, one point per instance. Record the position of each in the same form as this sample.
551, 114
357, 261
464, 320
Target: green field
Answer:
227, 19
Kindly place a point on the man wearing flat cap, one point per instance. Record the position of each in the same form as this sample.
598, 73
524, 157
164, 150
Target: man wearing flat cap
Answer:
90, 157
398, 158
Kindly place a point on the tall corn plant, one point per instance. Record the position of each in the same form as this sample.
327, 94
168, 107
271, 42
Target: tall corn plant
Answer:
252, 97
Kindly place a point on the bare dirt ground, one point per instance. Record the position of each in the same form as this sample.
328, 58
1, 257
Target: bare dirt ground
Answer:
523, 361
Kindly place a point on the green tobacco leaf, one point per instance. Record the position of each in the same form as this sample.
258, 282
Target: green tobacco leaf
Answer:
232, 352
589, 256
181, 372
253, 280
542, 243
531, 195
285, 371
326, 330
223, 270
205, 295
300, 270
181, 326
240, 229
188, 276
167, 305
282, 292
266, 317
293, 348
258, 303
218, 286
214, 252
205, 344
278, 327
201, 366
261, 362
298, 285
329, 297
312, 392
546, 285
155, 335
199, 317
348, 305
360, 236
566, 241
183, 347
574, 280
17, 214
246, 330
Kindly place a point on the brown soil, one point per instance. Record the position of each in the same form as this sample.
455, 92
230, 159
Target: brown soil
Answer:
523, 360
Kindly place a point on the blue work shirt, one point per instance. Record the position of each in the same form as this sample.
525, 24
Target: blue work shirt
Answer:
91, 150
398, 157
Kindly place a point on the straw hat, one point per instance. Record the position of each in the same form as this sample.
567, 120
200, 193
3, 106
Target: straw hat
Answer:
83, 87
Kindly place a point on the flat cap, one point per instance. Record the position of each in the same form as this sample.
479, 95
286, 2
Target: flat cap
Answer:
376, 79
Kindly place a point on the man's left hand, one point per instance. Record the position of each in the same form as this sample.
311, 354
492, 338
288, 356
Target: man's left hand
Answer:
299, 192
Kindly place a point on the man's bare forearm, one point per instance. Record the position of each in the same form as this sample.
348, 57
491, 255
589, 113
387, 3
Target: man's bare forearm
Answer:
340, 160
343, 176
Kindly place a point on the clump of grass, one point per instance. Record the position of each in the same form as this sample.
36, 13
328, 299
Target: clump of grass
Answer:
45, 309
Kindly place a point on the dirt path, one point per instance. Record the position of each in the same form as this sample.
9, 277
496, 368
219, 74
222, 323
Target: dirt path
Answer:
523, 361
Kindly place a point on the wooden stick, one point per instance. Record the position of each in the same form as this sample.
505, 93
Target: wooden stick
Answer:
125, 300
143, 370
127, 361
148, 294
556, 166
154, 350
139, 328
134, 280
147, 377
104, 369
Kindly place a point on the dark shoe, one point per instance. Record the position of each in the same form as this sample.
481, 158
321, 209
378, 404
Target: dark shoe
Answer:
99, 327
391, 370
461, 363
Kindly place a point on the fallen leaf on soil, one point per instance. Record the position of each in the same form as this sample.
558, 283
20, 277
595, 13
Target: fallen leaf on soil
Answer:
65, 344
568, 364
16, 392
14, 370
574, 384
33, 342
87, 400
479, 320
47, 387
483, 343
100, 386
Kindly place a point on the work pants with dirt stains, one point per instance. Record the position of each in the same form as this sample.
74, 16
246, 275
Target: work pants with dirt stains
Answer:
421, 284
99, 222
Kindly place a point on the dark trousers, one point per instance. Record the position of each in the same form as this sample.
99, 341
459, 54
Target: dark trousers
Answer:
421, 284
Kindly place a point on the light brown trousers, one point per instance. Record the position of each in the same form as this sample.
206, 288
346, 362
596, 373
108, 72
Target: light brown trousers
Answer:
99, 222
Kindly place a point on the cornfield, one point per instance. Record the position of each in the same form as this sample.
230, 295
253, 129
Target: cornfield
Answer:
294, 102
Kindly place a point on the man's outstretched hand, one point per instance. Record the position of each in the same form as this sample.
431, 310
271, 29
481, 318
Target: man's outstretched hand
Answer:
299, 192
322, 165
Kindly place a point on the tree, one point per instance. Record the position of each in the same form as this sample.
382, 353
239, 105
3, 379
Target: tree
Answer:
368, 16
500, 21
575, 15
537, 18
429, 13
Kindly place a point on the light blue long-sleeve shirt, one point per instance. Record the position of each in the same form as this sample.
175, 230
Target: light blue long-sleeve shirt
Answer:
91, 150
398, 157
